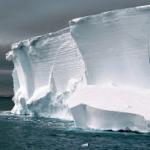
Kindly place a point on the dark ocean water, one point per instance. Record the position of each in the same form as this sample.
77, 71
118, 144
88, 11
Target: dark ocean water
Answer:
26, 133
6, 103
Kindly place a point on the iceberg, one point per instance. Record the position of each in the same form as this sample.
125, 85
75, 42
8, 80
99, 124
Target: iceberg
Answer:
96, 71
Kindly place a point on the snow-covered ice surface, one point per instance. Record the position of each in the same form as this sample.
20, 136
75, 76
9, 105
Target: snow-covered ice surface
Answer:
113, 98
101, 61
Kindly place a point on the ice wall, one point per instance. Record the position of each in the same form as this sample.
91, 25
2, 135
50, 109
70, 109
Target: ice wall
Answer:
115, 46
44, 67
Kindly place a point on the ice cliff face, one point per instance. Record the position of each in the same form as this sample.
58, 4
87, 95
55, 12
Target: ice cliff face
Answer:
101, 61
115, 46
44, 68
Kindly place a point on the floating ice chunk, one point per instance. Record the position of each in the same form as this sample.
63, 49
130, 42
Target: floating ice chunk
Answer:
85, 145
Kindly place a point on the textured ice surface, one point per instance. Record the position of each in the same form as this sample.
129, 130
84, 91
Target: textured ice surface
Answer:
115, 46
45, 67
102, 61
90, 117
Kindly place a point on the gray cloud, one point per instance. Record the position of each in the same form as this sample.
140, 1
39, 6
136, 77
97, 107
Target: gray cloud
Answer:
21, 19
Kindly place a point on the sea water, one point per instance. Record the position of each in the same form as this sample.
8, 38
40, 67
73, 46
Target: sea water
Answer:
32, 133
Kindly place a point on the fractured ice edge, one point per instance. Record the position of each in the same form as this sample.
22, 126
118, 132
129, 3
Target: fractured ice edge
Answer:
96, 72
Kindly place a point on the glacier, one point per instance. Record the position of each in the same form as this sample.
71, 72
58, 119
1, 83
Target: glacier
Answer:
95, 72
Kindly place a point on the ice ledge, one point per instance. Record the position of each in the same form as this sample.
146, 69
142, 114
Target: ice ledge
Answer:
89, 117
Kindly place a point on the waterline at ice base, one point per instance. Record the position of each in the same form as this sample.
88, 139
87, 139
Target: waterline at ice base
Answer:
95, 72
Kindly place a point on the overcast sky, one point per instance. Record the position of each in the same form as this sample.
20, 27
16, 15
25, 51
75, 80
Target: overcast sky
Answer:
21, 19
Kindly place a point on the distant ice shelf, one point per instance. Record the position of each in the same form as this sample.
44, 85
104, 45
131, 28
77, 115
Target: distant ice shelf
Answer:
96, 71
